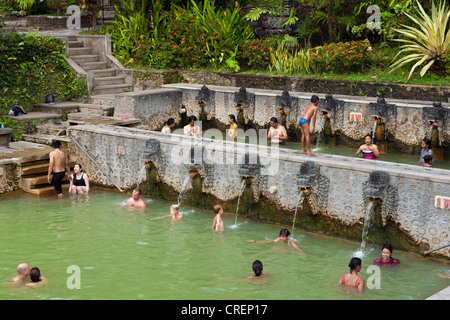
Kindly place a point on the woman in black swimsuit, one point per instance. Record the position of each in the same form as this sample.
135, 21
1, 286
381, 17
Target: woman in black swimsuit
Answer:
79, 181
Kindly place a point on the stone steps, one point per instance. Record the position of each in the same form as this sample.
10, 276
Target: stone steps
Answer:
106, 80
34, 178
113, 88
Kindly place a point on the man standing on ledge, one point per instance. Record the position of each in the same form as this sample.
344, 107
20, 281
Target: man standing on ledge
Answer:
310, 113
59, 164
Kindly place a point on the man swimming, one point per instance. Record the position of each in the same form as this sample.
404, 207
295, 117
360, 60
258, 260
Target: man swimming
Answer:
310, 113
59, 164
23, 274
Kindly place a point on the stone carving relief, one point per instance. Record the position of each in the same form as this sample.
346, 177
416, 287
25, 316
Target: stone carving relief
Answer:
378, 186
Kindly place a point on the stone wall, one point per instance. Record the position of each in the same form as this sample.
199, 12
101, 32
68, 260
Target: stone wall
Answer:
10, 176
153, 107
337, 190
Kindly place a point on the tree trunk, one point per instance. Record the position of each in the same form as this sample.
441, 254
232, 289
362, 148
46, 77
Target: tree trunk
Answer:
330, 24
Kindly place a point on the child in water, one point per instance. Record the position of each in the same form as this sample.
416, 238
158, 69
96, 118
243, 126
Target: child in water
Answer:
257, 267
426, 151
284, 238
218, 222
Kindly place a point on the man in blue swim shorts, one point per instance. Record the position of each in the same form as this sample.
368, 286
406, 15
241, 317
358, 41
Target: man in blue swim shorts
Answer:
310, 112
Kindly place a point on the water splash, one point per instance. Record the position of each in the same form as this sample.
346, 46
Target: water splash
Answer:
183, 187
237, 207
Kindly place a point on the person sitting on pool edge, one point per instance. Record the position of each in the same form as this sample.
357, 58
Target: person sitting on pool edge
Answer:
386, 256
79, 181
369, 150
284, 238
351, 279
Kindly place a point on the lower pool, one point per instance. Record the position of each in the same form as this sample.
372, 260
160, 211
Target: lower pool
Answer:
123, 254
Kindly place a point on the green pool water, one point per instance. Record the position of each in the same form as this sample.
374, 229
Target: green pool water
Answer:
122, 254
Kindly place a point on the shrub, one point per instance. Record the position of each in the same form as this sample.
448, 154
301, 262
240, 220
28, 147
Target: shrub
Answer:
256, 53
33, 66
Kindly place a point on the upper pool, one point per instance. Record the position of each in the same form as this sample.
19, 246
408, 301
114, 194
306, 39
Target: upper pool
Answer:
123, 254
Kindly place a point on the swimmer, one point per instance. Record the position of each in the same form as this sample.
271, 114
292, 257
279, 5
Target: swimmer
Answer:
369, 150
257, 267
79, 181
36, 278
218, 225
135, 201
277, 133
174, 213
23, 274
233, 131
310, 113
284, 238
426, 151
386, 256
351, 279
168, 125
192, 129
428, 161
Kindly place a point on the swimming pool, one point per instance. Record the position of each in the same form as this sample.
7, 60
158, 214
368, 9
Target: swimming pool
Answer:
122, 254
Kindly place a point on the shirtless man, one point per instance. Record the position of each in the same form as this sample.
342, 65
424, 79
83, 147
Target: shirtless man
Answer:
310, 112
135, 201
23, 274
59, 164
277, 133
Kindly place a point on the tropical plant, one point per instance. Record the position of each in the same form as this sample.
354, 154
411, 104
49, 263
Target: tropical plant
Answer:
275, 8
428, 42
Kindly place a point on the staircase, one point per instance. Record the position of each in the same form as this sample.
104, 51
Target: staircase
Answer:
106, 80
56, 118
34, 178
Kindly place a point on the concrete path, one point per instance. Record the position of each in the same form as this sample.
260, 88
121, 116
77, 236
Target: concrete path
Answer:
441, 295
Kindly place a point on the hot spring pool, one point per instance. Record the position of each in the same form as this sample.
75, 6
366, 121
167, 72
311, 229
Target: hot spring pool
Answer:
122, 254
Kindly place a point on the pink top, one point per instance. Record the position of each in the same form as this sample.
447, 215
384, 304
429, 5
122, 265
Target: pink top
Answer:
391, 261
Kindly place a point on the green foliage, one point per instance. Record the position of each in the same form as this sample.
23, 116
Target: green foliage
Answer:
19, 127
199, 36
256, 53
427, 43
32, 66
341, 57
